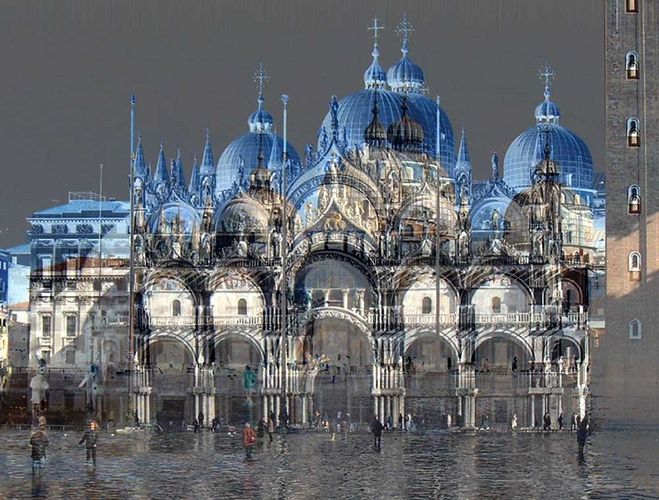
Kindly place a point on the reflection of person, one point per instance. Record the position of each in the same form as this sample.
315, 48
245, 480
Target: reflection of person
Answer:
38, 442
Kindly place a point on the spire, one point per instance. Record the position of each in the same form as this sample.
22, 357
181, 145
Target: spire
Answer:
260, 120
178, 178
403, 30
207, 162
547, 111
195, 183
276, 155
463, 152
162, 175
139, 163
375, 76
375, 134
547, 74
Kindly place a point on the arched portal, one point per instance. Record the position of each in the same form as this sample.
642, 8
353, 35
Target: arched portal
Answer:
502, 362
342, 386
172, 367
237, 360
430, 364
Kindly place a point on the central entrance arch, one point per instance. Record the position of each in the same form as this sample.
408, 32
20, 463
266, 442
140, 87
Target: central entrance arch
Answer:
237, 360
342, 386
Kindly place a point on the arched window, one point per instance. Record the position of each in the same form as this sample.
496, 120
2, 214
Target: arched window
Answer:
635, 266
633, 133
631, 6
496, 304
631, 66
634, 199
426, 305
635, 329
176, 307
242, 307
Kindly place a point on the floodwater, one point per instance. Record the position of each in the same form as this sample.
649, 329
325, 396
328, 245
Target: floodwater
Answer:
299, 466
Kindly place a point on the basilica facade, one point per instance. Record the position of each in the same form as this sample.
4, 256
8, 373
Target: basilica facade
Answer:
372, 276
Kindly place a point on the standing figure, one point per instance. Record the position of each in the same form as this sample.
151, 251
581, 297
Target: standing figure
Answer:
271, 425
513, 422
201, 419
546, 422
560, 422
582, 434
376, 429
249, 440
90, 439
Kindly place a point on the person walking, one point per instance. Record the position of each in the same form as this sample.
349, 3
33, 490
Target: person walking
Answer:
271, 425
560, 422
573, 422
195, 426
249, 440
201, 420
401, 422
261, 427
38, 442
546, 422
90, 439
376, 429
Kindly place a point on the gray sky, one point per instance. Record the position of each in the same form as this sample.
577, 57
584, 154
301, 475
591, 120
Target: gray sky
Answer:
68, 69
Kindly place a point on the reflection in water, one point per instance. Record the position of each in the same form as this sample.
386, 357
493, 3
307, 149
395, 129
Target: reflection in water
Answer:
431, 465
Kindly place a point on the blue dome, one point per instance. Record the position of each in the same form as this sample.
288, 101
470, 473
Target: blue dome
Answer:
406, 76
547, 111
260, 121
242, 154
355, 114
567, 149
374, 76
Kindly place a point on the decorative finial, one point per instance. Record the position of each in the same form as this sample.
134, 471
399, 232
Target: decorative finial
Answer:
375, 28
547, 73
403, 30
260, 77
208, 134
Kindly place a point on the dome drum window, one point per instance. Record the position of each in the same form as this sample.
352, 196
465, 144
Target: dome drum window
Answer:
633, 133
634, 199
176, 308
631, 66
634, 266
635, 329
631, 6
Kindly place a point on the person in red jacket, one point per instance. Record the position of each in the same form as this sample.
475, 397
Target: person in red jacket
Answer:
249, 440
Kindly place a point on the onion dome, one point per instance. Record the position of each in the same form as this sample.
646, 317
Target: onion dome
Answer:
567, 149
406, 76
374, 76
375, 134
405, 134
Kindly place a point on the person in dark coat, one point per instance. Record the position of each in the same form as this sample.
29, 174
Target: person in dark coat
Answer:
560, 422
90, 439
38, 442
201, 419
261, 427
547, 422
582, 434
272, 425
195, 425
376, 429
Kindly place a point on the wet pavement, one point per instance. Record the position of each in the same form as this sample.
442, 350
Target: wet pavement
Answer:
431, 465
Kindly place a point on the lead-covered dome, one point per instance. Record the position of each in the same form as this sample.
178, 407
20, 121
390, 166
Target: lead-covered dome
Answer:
568, 150
240, 157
